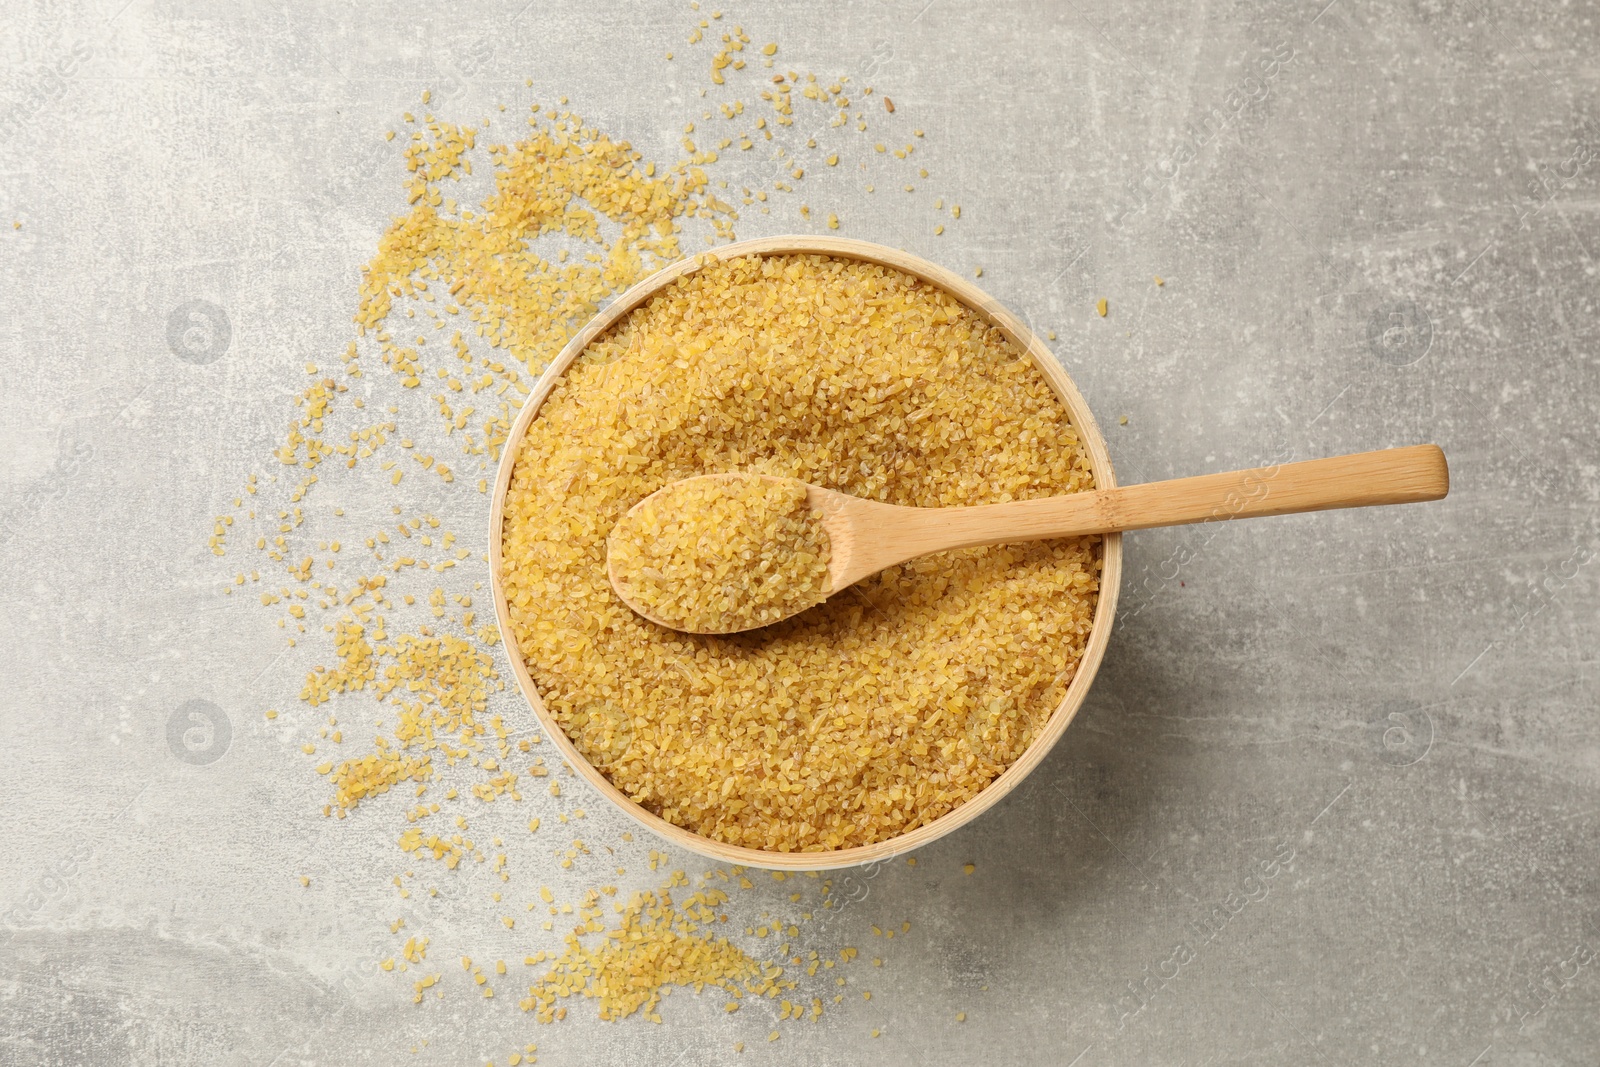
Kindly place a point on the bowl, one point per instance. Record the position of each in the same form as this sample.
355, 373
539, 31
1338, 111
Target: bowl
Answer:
1105, 606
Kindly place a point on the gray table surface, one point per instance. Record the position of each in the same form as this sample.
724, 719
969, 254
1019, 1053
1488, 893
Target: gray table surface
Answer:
1387, 235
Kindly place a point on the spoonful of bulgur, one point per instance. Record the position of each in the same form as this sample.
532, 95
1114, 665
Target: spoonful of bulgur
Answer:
724, 553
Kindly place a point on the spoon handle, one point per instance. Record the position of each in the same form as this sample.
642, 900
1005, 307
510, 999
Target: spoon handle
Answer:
1390, 476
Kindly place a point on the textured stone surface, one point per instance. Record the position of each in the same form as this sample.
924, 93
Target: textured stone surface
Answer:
1376, 728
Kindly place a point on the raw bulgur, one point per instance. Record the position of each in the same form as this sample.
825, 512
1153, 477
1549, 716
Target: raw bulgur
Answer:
894, 702
509, 303
722, 554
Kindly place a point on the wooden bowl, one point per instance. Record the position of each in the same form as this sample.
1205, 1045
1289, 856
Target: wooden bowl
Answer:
1105, 607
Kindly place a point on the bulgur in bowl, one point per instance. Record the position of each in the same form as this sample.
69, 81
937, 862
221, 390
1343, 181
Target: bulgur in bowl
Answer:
904, 706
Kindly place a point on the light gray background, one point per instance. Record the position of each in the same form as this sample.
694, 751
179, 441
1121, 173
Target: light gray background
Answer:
1392, 241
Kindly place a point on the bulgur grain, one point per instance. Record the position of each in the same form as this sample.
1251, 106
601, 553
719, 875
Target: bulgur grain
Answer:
564, 181
724, 554
881, 709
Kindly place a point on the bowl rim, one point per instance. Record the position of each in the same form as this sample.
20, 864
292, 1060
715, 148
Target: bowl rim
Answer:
1100, 628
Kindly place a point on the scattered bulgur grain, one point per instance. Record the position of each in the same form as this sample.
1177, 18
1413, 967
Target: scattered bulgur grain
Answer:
657, 943
722, 554
1159, 280
1101, 307
968, 868
522, 305
879, 710
888, 105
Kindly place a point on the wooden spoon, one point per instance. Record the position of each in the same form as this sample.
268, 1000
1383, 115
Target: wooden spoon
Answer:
867, 536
